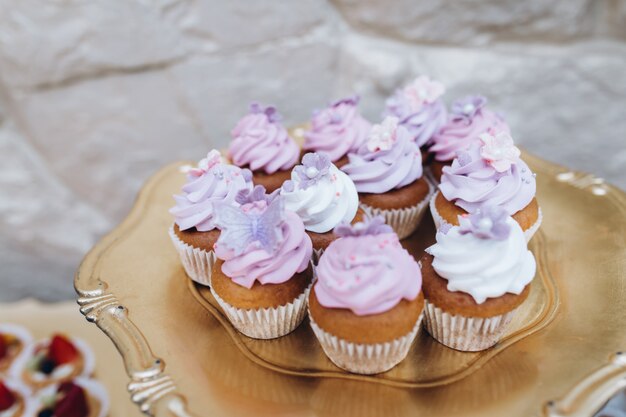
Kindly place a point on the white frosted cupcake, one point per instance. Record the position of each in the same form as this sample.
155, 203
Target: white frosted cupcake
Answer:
323, 197
475, 278
194, 231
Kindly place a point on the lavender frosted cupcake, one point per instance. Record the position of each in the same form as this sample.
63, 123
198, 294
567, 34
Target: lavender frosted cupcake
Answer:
261, 143
419, 108
490, 172
468, 119
387, 172
337, 130
475, 278
195, 231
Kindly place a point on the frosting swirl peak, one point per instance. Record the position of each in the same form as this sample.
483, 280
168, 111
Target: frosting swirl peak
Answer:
262, 143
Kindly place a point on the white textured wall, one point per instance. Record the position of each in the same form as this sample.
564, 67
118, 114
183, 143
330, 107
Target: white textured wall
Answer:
97, 95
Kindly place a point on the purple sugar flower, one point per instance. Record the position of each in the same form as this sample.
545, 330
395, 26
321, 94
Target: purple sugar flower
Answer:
270, 111
373, 226
314, 167
257, 194
467, 107
488, 222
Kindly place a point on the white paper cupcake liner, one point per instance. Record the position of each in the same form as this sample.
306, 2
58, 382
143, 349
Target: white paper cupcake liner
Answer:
198, 263
403, 221
266, 323
468, 334
439, 221
366, 359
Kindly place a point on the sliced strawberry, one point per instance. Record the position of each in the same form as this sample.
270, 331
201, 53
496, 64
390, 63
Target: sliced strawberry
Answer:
7, 398
73, 403
61, 350
4, 348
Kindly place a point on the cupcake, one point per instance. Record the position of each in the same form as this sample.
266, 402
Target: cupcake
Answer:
13, 342
419, 108
323, 197
387, 172
194, 230
14, 399
263, 272
337, 131
366, 305
468, 119
262, 144
81, 397
55, 360
475, 277
490, 172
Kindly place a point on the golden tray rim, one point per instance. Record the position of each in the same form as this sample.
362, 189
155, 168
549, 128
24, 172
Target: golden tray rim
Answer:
155, 392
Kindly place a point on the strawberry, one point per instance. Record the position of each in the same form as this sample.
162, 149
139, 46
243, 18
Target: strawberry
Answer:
61, 350
7, 398
3, 347
73, 403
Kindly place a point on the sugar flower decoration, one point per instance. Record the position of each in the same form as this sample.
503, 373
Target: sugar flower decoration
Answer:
258, 194
332, 114
488, 222
244, 226
423, 91
213, 158
498, 150
270, 111
315, 166
374, 226
383, 136
467, 107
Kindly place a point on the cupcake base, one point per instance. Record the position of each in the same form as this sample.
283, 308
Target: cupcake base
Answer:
362, 358
321, 241
271, 182
528, 221
198, 263
467, 334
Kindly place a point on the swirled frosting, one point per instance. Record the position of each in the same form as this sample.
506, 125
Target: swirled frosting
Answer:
262, 143
473, 181
262, 242
337, 130
468, 119
213, 181
419, 108
367, 273
320, 194
483, 267
389, 159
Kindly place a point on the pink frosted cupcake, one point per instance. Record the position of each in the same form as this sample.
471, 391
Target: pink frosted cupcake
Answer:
337, 130
194, 231
491, 173
366, 305
262, 144
263, 272
419, 108
468, 119
387, 172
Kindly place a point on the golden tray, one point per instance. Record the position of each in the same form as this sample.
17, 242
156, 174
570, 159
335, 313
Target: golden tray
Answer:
560, 358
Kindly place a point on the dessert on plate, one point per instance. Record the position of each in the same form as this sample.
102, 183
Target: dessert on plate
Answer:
419, 108
323, 197
54, 360
366, 305
337, 130
474, 278
14, 399
468, 119
81, 397
194, 231
260, 142
489, 172
13, 342
264, 271
387, 172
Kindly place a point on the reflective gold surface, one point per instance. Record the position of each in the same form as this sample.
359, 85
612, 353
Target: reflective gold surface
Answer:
133, 286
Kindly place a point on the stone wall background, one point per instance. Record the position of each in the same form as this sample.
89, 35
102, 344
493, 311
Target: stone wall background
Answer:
96, 95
